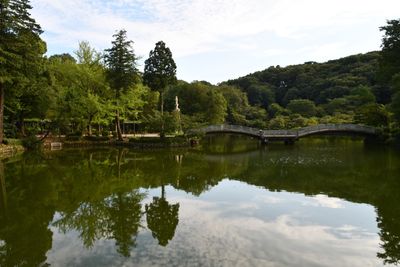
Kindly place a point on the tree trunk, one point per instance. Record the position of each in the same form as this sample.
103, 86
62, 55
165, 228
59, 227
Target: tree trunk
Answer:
90, 126
118, 126
22, 126
1, 112
117, 121
162, 133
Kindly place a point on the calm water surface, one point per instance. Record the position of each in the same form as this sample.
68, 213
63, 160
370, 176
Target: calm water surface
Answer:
321, 202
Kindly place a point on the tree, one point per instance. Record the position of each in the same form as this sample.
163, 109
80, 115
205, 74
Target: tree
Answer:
390, 56
160, 72
121, 69
303, 107
216, 108
81, 89
20, 46
360, 95
373, 114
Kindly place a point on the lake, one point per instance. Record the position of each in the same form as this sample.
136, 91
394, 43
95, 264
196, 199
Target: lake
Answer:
327, 201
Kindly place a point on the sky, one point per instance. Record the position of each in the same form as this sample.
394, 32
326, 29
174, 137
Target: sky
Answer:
217, 40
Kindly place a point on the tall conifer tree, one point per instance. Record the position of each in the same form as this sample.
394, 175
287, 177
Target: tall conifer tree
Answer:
160, 72
121, 69
20, 46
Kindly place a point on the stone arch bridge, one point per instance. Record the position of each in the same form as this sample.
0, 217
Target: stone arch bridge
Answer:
290, 136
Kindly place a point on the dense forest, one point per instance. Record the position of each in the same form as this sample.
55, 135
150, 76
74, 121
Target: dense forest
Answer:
102, 93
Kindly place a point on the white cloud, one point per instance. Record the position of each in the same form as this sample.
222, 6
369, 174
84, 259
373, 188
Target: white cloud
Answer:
272, 29
324, 201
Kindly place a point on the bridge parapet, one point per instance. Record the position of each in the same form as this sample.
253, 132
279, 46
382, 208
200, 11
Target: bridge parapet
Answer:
231, 128
280, 133
320, 128
288, 134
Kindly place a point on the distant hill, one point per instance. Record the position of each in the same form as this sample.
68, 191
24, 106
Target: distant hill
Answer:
318, 82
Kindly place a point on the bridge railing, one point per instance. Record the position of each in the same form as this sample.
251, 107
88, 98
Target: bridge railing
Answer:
336, 127
231, 128
288, 133
278, 133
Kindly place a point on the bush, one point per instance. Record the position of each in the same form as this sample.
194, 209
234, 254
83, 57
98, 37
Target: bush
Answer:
31, 142
105, 132
12, 142
304, 107
278, 123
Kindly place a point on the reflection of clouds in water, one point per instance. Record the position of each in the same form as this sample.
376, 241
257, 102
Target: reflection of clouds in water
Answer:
266, 199
204, 237
324, 201
68, 250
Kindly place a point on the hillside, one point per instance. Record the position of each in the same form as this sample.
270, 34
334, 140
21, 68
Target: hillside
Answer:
318, 82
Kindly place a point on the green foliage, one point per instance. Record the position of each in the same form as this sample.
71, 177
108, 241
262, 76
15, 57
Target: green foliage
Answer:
275, 110
159, 68
336, 105
303, 107
121, 70
360, 95
31, 142
159, 73
120, 61
21, 54
203, 102
12, 142
395, 106
216, 107
374, 115
278, 123
390, 57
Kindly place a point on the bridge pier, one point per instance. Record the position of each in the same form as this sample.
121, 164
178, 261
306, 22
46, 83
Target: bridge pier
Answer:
289, 141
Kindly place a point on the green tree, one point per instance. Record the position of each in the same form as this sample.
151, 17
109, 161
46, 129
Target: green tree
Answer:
336, 105
20, 47
360, 95
390, 55
81, 90
278, 123
303, 107
216, 108
160, 72
373, 114
395, 106
121, 69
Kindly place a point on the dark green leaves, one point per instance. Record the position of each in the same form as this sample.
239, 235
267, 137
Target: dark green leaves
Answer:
120, 60
160, 68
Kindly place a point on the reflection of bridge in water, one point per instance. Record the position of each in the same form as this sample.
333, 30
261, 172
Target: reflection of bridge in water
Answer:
290, 136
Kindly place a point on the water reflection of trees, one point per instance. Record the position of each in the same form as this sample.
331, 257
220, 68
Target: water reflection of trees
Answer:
99, 193
162, 218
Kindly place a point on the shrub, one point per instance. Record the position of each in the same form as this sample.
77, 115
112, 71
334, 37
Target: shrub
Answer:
12, 142
31, 142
